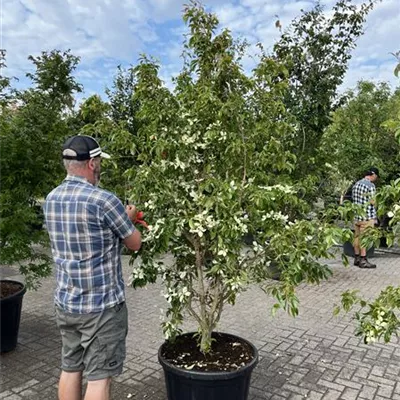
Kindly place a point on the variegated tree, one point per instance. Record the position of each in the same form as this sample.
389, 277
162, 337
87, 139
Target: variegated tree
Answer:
213, 165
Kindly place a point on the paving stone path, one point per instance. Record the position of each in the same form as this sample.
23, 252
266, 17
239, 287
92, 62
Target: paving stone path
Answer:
314, 356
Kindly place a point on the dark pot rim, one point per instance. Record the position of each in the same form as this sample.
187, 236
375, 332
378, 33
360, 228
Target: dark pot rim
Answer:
210, 375
17, 294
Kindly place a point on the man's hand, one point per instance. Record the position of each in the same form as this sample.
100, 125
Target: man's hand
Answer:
132, 212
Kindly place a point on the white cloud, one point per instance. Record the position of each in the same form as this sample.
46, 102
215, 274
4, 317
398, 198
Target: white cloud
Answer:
270, 10
370, 59
108, 32
228, 15
95, 30
255, 4
293, 8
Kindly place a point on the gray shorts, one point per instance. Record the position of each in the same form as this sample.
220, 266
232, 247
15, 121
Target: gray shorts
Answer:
94, 343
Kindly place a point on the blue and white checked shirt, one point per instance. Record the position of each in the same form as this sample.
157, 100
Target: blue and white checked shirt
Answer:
362, 193
86, 225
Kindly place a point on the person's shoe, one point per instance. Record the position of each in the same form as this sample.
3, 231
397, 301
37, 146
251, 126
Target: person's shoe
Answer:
364, 263
357, 260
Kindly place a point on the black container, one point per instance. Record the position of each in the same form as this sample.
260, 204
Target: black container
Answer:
10, 314
196, 385
348, 249
383, 243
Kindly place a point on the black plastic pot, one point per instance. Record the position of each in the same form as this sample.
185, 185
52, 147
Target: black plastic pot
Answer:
10, 314
274, 272
383, 243
348, 249
196, 385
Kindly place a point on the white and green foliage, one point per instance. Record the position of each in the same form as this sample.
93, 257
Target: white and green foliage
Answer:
376, 319
214, 165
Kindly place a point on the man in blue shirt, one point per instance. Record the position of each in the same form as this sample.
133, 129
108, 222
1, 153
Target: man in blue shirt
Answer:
87, 226
363, 194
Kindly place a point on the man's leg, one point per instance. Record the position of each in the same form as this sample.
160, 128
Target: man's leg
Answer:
364, 263
98, 390
70, 387
363, 252
356, 244
104, 342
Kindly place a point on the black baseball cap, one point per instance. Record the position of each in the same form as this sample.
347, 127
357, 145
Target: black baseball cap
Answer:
373, 170
85, 148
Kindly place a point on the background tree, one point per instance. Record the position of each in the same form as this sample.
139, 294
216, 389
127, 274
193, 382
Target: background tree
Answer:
95, 118
40, 121
123, 110
114, 122
34, 127
359, 136
379, 318
316, 48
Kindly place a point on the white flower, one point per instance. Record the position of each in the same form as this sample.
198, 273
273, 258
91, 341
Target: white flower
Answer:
257, 247
222, 136
276, 216
281, 188
188, 139
179, 164
240, 226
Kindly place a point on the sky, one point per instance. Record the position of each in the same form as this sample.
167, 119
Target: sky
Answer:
108, 33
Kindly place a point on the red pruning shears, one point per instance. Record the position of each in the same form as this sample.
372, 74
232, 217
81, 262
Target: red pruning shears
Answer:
139, 217
140, 220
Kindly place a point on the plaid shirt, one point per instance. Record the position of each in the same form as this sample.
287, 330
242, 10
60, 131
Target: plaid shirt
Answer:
86, 225
362, 193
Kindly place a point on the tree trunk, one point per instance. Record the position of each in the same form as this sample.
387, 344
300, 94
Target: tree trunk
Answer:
205, 343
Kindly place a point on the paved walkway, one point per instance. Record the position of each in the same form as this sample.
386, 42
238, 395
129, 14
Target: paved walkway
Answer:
314, 356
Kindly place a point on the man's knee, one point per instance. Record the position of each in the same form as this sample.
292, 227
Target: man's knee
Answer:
100, 383
98, 389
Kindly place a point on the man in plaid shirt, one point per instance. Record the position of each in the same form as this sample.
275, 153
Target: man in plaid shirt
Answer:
362, 194
87, 226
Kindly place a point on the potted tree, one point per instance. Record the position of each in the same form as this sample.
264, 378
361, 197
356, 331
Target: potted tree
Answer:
214, 163
19, 222
30, 121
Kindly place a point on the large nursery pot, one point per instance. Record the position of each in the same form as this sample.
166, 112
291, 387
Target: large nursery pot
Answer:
11, 295
348, 250
188, 384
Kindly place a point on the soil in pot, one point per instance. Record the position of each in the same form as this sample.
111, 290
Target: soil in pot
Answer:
228, 353
7, 289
